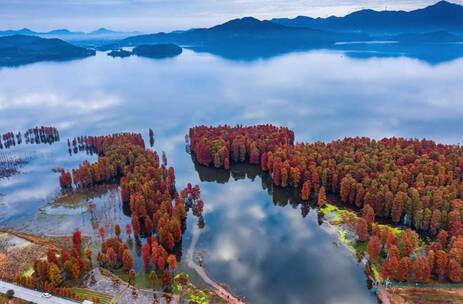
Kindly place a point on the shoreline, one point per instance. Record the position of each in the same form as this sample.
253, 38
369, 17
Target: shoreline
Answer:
216, 288
396, 293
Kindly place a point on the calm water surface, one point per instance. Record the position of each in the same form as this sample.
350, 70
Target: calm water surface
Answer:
263, 246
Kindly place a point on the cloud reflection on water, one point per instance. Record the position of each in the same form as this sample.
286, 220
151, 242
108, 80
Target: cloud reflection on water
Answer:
280, 257
321, 95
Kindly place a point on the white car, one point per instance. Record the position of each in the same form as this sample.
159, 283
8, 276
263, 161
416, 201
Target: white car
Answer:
46, 295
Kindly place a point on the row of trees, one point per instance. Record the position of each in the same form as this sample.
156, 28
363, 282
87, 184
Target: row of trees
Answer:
117, 153
222, 145
411, 182
115, 254
151, 134
99, 144
416, 183
37, 135
402, 260
64, 265
44, 135
60, 266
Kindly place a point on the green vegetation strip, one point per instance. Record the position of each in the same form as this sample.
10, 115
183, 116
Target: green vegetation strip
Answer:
185, 288
418, 285
28, 272
87, 294
335, 213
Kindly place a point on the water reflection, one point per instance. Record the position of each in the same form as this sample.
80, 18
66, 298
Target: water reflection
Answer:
430, 53
324, 96
280, 196
274, 255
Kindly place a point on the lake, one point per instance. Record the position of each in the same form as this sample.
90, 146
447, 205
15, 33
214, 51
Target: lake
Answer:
259, 243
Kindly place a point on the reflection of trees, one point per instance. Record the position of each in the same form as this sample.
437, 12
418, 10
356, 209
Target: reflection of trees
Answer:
11, 162
105, 210
201, 222
126, 209
42, 135
80, 144
177, 250
280, 196
211, 174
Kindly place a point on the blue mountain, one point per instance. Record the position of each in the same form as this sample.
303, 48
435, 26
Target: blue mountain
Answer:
442, 16
24, 31
21, 49
68, 35
244, 37
102, 31
61, 32
248, 24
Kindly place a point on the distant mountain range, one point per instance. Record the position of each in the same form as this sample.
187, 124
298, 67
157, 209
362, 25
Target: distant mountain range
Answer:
21, 49
249, 38
442, 16
65, 34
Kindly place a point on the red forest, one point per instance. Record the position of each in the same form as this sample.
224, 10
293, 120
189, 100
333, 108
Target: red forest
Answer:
148, 187
59, 266
223, 145
415, 183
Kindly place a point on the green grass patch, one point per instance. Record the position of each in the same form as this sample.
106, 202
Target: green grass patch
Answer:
376, 273
395, 230
121, 274
142, 279
87, 294
328, 208
185, 288
344, 237
337, 215
28, 272
361, 248
181, 286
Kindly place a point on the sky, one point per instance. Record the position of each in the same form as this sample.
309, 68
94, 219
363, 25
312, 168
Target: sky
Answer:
167, 15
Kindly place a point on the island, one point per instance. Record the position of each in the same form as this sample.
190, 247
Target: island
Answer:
158, 50
22, 49
120, 53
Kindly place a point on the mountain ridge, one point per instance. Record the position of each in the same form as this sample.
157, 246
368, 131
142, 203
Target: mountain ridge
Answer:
22, 49
442, 15
65, 34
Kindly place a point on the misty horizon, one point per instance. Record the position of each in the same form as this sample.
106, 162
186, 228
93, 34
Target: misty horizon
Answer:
150, 15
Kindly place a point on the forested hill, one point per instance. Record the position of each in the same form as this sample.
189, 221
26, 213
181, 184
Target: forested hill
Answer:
244, 38
442, 16
22, 49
